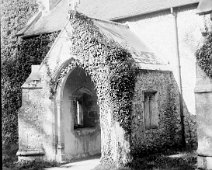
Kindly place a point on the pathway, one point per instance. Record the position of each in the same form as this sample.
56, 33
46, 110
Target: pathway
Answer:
78, 165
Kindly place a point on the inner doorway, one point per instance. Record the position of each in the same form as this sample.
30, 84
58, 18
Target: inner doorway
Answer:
80, 123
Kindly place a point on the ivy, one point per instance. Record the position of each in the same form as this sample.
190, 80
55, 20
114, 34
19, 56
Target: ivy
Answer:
14, 16
204, 55
109, 65
111, 69
15, 70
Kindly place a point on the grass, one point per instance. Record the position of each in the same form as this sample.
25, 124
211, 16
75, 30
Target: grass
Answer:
175, 161
10, 164
185, 160
171, 161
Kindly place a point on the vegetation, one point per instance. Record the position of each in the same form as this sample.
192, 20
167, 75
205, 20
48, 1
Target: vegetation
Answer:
15, 14
204, 55
166, 161
17, 56
111, 69
25, 165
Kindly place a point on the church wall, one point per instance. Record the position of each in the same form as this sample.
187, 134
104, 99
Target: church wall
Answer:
158, 32
203, 95
36, 122
168, 131
81, 143
30, 127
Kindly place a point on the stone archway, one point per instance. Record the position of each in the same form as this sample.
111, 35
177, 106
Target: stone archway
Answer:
78, 127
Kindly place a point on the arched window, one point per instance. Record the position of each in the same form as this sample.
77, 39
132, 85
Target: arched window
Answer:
85, 109
150, 109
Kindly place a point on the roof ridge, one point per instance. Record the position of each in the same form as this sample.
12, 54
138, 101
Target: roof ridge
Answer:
31, 21
56, 4
111, 22
149, 12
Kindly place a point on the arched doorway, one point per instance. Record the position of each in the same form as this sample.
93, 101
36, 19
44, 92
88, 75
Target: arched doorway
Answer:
79, 117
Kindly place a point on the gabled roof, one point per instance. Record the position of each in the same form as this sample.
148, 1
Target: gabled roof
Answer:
128, 40
101, 9
60, 51
204, 7
116, 9
55, 20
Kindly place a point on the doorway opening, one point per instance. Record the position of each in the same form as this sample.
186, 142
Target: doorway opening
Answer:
80, 117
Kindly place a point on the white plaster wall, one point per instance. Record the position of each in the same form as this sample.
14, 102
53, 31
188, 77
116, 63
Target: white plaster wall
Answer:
158, 32
189, 27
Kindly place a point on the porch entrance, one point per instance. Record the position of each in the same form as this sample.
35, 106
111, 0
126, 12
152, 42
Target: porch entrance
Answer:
80, 124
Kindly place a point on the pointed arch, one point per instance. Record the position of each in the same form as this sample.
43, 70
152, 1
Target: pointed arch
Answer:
61, 78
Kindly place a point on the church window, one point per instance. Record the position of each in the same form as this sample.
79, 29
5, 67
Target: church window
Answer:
85, 111
150, 110
78, 119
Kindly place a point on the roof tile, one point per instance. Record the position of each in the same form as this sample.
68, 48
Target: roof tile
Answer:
101, 9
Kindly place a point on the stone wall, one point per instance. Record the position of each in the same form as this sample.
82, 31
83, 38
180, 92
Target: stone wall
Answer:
190, 124
158, 32
168, 132
53, 112
203, 95
36, 120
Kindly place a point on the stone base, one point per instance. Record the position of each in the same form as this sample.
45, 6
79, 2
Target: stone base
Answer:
204, 162
30, 155
30, 158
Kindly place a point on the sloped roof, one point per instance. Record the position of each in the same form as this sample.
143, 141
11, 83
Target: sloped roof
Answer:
101, 9
128, 40
119, 33
55, 20
204, 7
115, 9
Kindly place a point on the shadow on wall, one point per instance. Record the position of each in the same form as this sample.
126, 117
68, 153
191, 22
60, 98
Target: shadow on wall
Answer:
34, 135
190, 128
14, 73
190, 125
167, 135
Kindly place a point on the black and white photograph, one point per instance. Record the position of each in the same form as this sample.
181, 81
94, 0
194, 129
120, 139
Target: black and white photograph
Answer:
106, 84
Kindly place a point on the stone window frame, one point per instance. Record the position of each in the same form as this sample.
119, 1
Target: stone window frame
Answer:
155, 124
74, 99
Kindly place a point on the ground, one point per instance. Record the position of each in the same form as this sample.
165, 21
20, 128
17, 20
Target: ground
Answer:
185, 160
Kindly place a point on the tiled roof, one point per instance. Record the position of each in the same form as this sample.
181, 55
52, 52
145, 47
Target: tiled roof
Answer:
205, 7
101, 9
128, 40
142, 56
55, 20
113, 9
